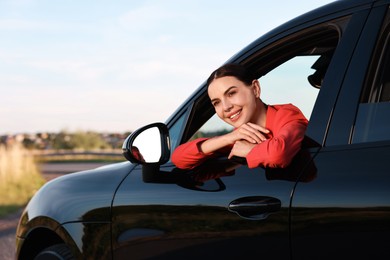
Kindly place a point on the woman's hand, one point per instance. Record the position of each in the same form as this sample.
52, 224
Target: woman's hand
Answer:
249, 132
241, 149
246, 137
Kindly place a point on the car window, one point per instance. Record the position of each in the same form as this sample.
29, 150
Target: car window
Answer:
288, 71
287, 83
372, 120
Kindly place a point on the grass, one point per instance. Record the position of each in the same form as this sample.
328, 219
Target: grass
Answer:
19, 178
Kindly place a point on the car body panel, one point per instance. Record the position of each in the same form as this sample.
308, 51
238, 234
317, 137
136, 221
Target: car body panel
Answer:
348, 210
94, 189
82, 197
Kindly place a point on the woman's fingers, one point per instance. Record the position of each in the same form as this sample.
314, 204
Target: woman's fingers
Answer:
252, 133
259, 128
245, 137
241, 149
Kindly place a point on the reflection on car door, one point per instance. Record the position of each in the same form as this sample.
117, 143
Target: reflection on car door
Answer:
187, 214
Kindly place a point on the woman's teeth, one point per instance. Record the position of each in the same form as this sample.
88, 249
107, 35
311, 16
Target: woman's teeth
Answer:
236, 114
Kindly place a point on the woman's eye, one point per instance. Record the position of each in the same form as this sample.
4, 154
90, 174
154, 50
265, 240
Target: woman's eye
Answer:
231, 93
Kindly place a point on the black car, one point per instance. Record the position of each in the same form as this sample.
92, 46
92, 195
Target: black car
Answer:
331, 202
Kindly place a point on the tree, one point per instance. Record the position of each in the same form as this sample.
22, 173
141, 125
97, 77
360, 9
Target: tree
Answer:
79, 140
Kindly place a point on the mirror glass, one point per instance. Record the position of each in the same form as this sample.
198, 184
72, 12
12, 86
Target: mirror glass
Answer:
147, 146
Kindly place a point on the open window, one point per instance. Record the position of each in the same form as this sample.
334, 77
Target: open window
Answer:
290, 70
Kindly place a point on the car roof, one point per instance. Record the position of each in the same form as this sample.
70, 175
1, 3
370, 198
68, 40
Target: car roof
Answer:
327, 10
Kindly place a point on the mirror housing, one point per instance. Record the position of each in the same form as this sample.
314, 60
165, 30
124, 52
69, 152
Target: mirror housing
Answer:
148, 145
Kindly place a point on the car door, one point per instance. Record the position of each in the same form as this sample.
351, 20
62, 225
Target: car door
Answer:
204, 213
223, 209
345, 212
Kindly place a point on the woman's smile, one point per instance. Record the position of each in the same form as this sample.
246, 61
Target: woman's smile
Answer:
234, 116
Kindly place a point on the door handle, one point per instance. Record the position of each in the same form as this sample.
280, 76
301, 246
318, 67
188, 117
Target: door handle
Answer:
255, 207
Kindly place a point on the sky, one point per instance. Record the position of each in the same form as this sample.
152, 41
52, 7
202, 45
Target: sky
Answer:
114, 66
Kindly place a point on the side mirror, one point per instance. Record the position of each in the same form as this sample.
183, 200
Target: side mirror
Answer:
148, 145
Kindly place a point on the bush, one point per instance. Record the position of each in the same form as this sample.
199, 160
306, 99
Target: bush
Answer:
79, 140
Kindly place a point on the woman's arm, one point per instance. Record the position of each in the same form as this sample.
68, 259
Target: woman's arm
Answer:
288, 130
193, 153
188, 155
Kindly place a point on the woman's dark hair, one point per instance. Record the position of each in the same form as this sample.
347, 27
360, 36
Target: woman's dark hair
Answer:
234, 70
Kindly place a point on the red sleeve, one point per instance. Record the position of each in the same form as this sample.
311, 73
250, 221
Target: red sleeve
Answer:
288, 126
188, 156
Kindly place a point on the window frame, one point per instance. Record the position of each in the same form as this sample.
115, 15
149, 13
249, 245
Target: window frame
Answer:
372, 122
363, 29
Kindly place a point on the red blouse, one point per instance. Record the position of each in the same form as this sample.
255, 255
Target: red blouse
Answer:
287, 127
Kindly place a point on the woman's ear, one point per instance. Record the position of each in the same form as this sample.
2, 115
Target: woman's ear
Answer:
256, 88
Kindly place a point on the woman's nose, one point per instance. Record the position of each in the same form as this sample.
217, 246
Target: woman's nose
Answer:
227, 106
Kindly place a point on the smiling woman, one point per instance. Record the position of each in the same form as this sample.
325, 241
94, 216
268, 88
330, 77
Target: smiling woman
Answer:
265, 135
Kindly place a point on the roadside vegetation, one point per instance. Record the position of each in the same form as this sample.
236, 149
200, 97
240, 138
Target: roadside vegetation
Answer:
20, 160
79, 156
19, 177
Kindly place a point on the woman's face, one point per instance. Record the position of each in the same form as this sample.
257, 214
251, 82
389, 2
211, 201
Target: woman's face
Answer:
234, 102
